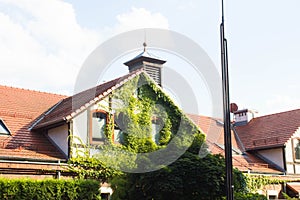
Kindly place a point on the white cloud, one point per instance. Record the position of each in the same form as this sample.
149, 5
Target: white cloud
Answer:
42, 45
139, 18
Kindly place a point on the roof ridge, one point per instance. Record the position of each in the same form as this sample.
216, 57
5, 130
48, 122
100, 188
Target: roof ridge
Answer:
120, 79
75, 104
32, 90
119, 82
278, 113
217, 119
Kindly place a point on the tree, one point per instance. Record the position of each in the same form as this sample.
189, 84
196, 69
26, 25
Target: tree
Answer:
141, 117
189, 177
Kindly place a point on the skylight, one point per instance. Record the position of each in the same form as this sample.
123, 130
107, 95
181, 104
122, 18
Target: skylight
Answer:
3, 129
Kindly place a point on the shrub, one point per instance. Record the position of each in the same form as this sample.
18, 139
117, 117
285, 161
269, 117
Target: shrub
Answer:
249, 196
23, 189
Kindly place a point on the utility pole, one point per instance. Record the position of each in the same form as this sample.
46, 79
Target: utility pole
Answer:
226, 110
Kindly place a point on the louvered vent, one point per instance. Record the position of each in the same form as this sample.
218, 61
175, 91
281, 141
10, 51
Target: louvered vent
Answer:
154, 73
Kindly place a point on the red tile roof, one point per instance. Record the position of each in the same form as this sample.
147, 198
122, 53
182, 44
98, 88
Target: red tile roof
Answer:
270, 130
247, 162
18, 109
73, 105
213, 128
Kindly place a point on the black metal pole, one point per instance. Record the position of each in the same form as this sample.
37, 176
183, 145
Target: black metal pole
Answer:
226, 111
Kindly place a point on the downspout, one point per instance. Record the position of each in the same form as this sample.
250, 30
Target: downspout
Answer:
284, 159
70, 138
285, 168
58, 173
88, 112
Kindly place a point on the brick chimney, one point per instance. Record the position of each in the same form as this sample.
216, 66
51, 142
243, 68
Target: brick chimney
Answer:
241, 117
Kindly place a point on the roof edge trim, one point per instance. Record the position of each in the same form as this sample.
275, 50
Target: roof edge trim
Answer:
102, 95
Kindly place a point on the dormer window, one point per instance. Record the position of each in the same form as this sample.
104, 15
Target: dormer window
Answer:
3, 128
98, 121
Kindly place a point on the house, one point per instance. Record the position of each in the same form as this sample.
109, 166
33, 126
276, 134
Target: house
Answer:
266, 145
242, 160
39, 131
23, 151
275, 139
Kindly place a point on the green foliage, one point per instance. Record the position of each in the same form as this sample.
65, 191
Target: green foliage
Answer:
140, 103
255, 183
86, 167
198, 144
165, 133
23, 189
249, 196
240, 181
89, 167
190, 177
117, 158
288, 197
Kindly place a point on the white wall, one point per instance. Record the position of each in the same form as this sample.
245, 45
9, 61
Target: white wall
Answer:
289, 151
59, 136
297, 168
80, 128
290, 169
274, 155
292, 166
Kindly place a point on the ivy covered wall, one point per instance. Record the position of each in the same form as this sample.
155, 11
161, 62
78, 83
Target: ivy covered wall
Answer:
147, 119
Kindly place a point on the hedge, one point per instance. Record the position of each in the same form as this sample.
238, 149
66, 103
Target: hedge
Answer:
249, 196
48, 189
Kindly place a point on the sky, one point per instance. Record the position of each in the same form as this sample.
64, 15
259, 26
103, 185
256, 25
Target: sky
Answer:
45, 43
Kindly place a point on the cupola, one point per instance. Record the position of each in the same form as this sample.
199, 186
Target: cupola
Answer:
147, 61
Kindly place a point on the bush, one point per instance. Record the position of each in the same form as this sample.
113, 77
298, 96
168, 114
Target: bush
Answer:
19, 189
249, 196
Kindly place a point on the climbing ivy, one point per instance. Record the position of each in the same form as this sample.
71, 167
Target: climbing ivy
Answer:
257, 182
136, 108
138, 105
85, 166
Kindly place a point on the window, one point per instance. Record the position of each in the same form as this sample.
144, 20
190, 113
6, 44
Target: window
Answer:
156, 127
97, 126
155, 133
105, 196
3, 128
296, 144
118, 137
121, 121
272, 197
